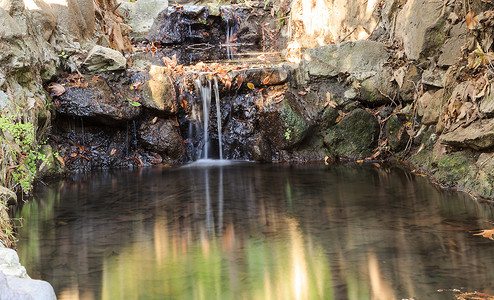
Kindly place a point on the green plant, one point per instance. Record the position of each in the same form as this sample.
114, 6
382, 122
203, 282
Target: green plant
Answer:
19, 145
288, 133
133, 102
63, 55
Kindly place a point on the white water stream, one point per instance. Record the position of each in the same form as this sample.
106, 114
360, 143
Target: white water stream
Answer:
206, 96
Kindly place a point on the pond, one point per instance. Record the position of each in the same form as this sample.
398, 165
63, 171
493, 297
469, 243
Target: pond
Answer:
254, 231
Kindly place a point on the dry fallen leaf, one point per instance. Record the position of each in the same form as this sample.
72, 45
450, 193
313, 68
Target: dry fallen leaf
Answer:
487, 233
251, 86
55, 89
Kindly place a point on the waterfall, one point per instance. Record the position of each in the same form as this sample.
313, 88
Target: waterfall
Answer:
218, 115
206, 91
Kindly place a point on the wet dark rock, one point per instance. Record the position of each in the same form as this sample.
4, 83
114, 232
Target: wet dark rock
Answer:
98, 102
104, 59
261, 150
355, 136
240, 128
162, 137
283, 126
159, 93
396, 133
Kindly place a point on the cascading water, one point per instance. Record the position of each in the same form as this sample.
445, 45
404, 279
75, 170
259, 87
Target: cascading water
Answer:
204, 84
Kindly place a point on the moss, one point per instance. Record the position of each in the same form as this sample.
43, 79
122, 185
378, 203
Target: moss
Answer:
295, 127
355, 136
455, 168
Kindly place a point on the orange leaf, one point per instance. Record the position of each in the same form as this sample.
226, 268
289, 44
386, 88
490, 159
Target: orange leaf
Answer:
470, 20
240, 80
74, 155
228, 84
113, 151
487, 233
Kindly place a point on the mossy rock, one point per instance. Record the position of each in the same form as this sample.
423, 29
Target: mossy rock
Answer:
284, 127
455, 168
396, 134
355, 136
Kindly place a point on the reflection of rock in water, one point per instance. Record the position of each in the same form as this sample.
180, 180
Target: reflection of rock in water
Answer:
254, 230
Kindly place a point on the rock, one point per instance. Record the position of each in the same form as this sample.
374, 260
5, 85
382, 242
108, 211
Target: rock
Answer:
7, 196
163, 138
455, 168
104, 59
9, 30
140, 15
159, 92
4, 100
261, 150
483, 183
432, 109
396, 133
451, 49
284, 126
478, 135
8, 293
261, 76
355, 136
76, 18
362, 61
411, 79
15, 282
421, 28
434, 77
43, 17
487, 103
51, 167
96, 102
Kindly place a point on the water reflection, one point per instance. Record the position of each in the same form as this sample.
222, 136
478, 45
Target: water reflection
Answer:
248, 231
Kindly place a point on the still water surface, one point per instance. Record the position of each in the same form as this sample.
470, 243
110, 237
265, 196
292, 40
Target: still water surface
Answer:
249, 231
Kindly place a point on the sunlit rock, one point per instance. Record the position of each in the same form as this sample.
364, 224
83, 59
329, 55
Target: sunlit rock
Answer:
159, 92
361, 62
420, 25
104, 59
140, 15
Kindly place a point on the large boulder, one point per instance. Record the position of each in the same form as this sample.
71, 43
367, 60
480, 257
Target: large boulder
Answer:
97, 101
162, 136
362, 62
284, 126
420, 25
16, 284
355, 136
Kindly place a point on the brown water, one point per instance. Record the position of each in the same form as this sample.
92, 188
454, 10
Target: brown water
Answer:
249, 231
